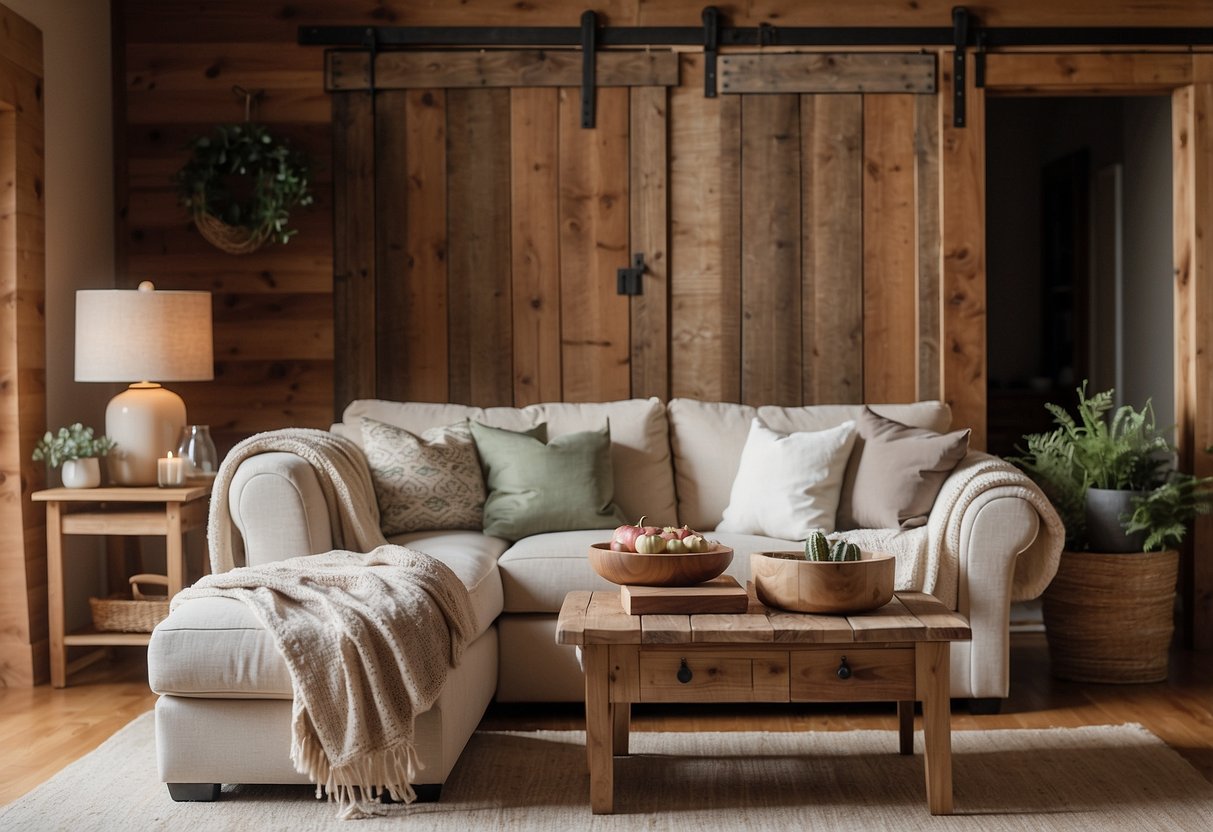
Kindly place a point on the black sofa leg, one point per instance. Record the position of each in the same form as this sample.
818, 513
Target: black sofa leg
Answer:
985, 707
193, 792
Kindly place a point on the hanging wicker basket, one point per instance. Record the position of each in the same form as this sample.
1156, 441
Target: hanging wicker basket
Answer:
232, 239
1110, 618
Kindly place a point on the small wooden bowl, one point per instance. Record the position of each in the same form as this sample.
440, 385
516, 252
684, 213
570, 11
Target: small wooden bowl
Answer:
787, 581
659, 570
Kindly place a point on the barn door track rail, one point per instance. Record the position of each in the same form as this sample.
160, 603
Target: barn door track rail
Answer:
966, 33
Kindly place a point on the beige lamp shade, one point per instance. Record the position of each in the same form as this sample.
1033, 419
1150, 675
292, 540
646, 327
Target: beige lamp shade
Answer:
143, 336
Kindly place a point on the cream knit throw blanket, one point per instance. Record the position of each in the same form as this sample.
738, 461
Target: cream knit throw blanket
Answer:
344, 479
368, 639
928, 559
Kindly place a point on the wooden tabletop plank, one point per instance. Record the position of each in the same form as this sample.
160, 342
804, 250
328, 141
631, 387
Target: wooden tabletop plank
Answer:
803, 628
118, 494
665, 629
570, 626
607, 623
892, 622
942, 623
749, 627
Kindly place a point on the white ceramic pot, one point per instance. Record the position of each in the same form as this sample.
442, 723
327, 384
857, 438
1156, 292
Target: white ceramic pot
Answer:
82, 473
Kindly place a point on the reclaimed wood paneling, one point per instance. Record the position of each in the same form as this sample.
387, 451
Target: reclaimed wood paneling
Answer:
535, 245
353, 250
1077, 73
392, 303
770, 250
828, 72
593, 244
499, 68
962, 161
23, 622
926, 197
705, 241
424, 337
649, 211
478, 228
832, 271
890, 250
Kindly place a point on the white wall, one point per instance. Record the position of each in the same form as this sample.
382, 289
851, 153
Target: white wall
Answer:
1149, 323
79, 194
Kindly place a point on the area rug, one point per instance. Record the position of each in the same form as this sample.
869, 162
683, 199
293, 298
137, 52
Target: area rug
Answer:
1082, 779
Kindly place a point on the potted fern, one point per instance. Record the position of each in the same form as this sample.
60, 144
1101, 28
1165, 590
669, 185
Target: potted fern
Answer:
1111, 475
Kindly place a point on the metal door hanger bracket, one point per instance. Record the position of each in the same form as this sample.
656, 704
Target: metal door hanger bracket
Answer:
960, 39
589, 56
711, 46
630, 280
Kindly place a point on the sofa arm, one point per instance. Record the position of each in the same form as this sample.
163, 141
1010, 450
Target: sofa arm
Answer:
278, 508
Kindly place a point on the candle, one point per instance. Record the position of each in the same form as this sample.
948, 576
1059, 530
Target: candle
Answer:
170, 471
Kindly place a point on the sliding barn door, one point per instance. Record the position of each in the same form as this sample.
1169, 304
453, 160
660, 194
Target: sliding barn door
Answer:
815, 178
481, 228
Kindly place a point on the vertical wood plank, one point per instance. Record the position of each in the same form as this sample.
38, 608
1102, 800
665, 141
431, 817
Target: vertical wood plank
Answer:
705, 241
593, 245
353, 249
649, 213
832, 239
962, 277
770, 255
424, 340
478, 228
1192, 120
392, 303
535, 245
890, 302
926, 196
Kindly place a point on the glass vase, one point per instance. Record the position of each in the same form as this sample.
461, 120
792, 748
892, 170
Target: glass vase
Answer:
197, 452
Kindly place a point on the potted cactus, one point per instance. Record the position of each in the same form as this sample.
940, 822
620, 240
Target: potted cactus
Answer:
77, 450
1111, 474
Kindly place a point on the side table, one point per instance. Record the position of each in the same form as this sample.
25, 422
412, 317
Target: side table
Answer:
165, 512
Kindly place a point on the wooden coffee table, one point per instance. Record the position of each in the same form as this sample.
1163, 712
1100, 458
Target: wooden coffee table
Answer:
898, 653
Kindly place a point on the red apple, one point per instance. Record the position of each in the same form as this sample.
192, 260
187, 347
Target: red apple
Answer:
626, 536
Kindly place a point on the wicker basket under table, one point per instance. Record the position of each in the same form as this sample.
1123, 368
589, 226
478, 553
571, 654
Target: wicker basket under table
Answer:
138, 613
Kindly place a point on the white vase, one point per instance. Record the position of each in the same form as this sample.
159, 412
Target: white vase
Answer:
81, 473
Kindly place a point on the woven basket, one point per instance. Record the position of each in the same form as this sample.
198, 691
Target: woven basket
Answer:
1109, 618
229, 238
136, 613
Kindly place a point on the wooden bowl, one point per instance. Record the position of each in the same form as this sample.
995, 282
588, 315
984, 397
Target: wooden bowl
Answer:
787, 581
659, 570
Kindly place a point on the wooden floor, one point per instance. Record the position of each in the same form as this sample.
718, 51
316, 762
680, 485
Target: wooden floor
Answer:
42, 730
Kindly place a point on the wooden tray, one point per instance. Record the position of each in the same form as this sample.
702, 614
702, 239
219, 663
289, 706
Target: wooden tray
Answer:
722, 594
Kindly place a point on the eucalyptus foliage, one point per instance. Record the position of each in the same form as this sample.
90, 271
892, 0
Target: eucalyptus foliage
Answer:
73, 442
1121, 450
243, 176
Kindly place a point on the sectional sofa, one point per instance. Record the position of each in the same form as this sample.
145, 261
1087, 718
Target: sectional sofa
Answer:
225, 697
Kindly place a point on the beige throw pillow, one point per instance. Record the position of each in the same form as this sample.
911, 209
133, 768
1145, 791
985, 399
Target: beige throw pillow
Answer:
426, 482
788, 483
900, 472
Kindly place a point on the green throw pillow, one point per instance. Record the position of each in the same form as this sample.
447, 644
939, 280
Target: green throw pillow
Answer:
536, 486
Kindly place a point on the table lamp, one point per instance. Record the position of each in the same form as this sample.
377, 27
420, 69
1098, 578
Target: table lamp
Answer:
146, 337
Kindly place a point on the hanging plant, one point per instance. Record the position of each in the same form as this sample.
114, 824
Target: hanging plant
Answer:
240, 185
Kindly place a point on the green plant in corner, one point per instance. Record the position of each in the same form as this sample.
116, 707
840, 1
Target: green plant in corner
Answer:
243, 178
72, 442
1165, 513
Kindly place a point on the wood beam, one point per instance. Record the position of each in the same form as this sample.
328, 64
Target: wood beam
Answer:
828, 72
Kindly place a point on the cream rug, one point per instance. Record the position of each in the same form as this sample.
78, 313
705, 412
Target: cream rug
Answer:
1083, 779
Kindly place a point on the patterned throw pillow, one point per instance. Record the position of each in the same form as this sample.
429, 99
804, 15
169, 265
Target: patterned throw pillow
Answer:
428, 482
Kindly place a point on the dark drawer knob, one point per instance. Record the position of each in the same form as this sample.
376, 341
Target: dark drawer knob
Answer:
844, 671
684, 672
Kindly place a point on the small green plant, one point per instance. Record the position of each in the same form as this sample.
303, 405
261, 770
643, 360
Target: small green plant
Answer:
816, 547
1165, 512
842, 551
72, 442
242, 175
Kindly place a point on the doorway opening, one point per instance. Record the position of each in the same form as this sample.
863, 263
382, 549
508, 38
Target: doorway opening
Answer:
1079, 239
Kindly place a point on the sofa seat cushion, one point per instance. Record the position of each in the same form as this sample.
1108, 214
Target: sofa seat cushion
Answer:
538, 571
216, 647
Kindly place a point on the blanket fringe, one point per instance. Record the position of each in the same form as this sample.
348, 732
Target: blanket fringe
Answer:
356, 787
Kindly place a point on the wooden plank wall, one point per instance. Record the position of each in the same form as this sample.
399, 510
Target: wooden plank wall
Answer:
23, 610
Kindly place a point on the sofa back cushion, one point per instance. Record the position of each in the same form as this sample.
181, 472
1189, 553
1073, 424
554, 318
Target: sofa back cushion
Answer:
707, 438
640, 448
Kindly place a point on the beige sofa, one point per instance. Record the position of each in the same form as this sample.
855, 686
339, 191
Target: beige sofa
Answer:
224, 711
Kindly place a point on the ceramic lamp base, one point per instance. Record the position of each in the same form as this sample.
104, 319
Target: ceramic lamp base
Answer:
144, 421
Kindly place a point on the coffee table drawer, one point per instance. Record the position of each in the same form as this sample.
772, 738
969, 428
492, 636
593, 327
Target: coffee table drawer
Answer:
713, 677
867, 674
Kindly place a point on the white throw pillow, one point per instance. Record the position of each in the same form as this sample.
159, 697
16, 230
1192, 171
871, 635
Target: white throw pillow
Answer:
788, 483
